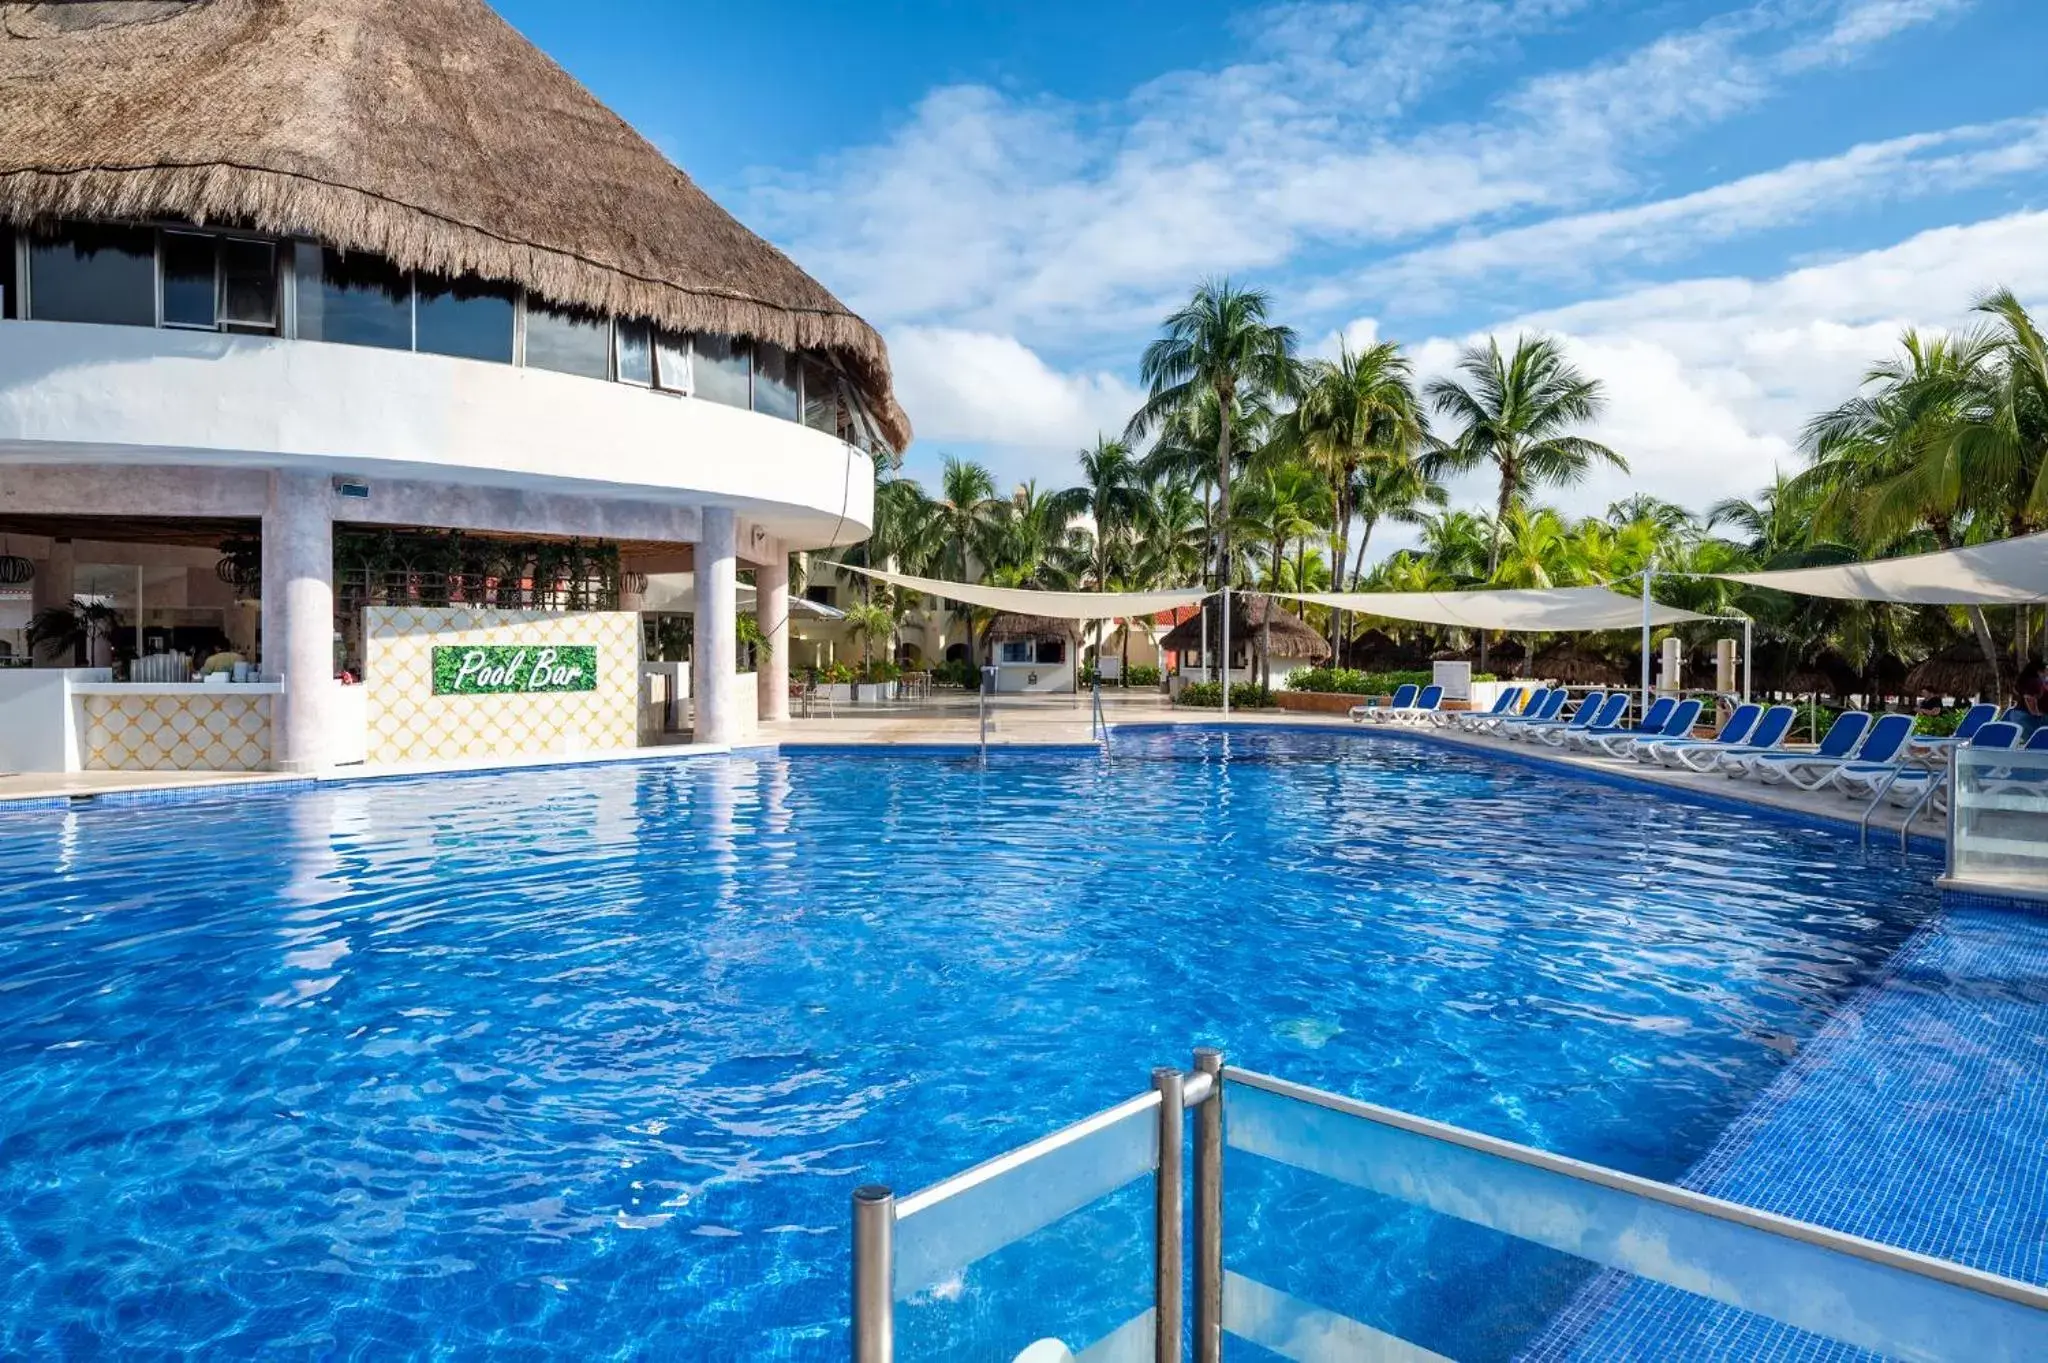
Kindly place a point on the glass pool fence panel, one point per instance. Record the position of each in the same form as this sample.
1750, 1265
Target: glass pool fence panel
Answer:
1051, 1245
1998, 818
1351, 1231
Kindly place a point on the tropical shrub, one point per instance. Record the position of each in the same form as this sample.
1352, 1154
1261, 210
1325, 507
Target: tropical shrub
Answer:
878, 671
1141, 676
1938, 723
957, 672
1243, 696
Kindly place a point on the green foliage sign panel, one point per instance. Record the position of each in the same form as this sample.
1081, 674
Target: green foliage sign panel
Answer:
505, 669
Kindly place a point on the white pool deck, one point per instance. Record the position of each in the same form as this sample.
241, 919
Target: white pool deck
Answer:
1015, 721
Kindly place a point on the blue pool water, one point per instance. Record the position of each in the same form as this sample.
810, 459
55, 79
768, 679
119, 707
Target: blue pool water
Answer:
586, 1062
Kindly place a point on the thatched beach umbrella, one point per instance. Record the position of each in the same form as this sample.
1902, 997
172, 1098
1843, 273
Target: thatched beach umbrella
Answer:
1958, 670
1571, 663
427, 131
1250, 615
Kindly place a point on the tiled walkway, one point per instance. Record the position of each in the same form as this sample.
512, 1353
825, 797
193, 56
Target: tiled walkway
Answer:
1918, 1116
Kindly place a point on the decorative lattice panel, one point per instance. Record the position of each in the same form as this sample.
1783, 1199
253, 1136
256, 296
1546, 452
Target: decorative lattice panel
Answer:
177, 733
409, 723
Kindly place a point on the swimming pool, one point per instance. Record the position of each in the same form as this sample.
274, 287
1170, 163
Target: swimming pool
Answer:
586, 1061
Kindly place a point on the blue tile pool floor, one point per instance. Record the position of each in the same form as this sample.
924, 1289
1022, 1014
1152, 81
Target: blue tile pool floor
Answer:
1918, 1116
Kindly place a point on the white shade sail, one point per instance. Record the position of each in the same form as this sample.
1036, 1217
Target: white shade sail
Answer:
1055, 605
1544, 610
2009, 573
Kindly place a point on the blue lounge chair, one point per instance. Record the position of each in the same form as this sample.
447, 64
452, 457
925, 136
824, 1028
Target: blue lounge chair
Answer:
1881, 746
1771, 728
1504, 703
1532, 701
1903, 784
1683, 716
1589, 706
1425, 705
1734, 730
1545, 712
1837, 743
1404, 694
1651, 722
1606, 720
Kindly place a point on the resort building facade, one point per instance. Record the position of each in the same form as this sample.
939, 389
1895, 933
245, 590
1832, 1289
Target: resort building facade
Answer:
355, 356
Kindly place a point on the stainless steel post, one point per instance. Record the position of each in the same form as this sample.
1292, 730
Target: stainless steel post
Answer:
1166, 1220
1209, 1211
1649, 571
1748, 640
1226, 640
874, 1274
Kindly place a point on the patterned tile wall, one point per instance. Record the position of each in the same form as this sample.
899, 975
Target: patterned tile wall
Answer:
409, 723
177, 733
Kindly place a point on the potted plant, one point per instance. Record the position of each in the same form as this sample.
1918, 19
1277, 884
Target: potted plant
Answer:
76, 632
877, 683
837, 679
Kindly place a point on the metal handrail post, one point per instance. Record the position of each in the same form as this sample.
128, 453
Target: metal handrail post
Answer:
1209, 1210
1166, 1219
874, 1274
1955, 799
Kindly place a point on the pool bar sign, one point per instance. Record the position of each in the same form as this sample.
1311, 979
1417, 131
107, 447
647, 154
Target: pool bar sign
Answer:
511, 669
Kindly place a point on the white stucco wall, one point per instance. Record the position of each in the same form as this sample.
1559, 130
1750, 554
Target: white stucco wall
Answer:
74, 393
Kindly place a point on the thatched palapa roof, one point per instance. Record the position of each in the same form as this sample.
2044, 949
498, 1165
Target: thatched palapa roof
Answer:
1012, 626
1249, 612
427, 131
1958, 670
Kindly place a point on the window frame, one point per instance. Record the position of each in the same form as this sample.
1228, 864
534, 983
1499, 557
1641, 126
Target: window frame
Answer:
1029, 647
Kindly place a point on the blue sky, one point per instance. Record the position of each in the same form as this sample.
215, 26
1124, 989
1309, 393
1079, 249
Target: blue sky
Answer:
1727, 211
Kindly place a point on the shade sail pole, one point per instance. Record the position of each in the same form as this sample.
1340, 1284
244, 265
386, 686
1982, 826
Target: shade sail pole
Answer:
1226, 647
1748, 639
1649, 571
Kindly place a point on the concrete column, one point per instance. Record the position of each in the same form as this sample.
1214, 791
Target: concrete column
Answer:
771, 613
714, 656
298, 617
56, 579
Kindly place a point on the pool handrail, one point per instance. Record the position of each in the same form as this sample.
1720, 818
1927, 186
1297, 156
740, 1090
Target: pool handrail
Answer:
1842, 1287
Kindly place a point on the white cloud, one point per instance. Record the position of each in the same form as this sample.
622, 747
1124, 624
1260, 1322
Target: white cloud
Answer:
979, 388
1710, 380
1043, 218
1586, 246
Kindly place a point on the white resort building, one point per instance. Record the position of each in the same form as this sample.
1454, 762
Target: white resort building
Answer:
358, 370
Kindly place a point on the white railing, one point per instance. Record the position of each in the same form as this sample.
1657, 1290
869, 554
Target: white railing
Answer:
1626, 1234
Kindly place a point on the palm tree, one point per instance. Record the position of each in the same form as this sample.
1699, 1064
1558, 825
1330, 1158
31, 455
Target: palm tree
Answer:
1457, 545
1517, 413
967, 505
1283, 504
869, 621
1893, 461
1356, 411
1219, 345
1391, 489
1111, 494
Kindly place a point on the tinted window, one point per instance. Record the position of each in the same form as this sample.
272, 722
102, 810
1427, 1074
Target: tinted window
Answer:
248, 284
722, 370
672, 361
636, 352
94, 274
465, 317
1052, 651
821, 399
570, 342
355, 299
189, 284
775, 382
10, 291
